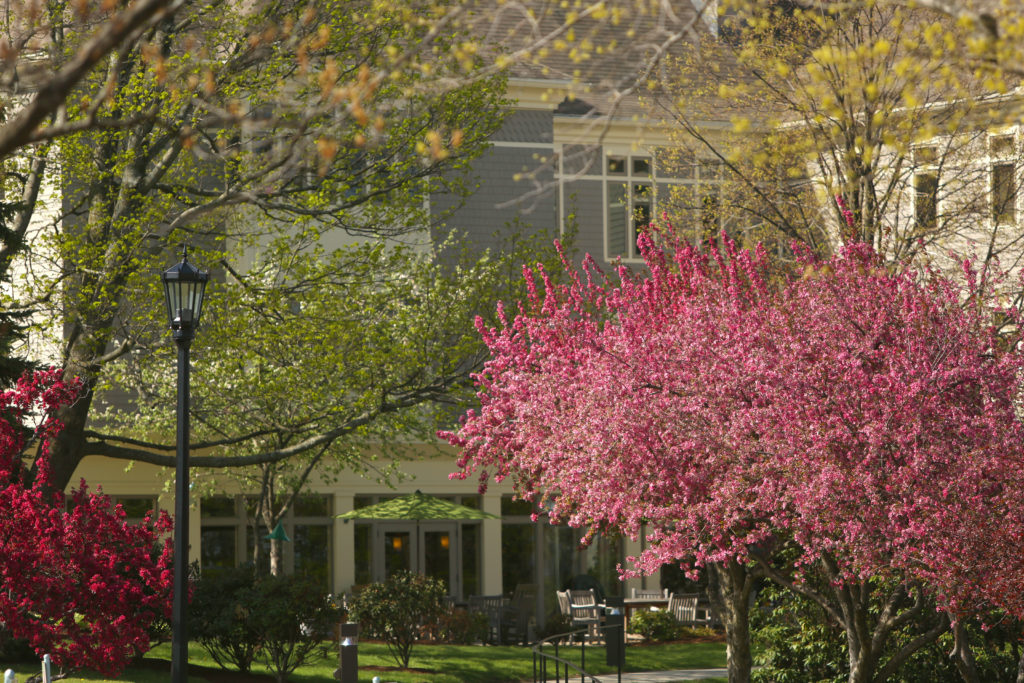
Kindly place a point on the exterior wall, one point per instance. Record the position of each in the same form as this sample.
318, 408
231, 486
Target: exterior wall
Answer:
429, 474
513, 182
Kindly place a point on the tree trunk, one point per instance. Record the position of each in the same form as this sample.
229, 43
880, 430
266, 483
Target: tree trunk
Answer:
276, 568
733, 587
863, 661
964, 657
66, 449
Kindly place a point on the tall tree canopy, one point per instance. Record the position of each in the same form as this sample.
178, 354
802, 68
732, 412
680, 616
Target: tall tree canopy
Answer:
861, 415
250, 131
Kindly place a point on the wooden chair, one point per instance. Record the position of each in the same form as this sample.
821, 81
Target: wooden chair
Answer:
649, 594
492, 607
684, 608
520, 615
585, 611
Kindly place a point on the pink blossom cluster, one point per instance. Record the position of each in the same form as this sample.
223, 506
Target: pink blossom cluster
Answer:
79, 582
861, 410
845, 210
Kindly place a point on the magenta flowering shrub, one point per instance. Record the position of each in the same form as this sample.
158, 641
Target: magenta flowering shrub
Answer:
79, 583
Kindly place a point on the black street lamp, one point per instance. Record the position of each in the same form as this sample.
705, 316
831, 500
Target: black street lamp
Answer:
184, 286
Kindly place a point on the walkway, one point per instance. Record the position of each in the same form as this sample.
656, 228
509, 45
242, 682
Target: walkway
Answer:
665, 676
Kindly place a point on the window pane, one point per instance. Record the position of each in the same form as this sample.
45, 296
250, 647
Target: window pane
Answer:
926, 187
218, 506
518, 554
710, 169
1001, 145
218, 547
470, 559
136, 508
925, 155
471, 502
263, 563
641, 166
709, 217
437, 554
511, 507
312, 552
618, 213
312, 506
616, 165
362, 554
397, 552
1004, 194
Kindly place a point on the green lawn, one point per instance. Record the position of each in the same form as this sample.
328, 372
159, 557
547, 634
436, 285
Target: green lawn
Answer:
440, 663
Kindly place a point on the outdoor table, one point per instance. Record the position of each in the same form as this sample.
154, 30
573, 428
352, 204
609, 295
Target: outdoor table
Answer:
642, 603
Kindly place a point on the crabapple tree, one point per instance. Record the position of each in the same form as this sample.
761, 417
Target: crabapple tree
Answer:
862, 417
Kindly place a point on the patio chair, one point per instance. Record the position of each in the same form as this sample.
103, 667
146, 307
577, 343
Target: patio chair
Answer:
520, 614
683, 607
492, 607
649, 594
585, 611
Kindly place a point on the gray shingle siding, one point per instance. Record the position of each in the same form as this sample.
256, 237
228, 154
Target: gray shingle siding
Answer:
526, 126
500, 199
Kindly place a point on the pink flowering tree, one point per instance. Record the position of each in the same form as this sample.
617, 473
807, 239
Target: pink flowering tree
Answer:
861, 417
79, 582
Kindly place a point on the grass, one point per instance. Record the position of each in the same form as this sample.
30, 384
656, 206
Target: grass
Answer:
434, 663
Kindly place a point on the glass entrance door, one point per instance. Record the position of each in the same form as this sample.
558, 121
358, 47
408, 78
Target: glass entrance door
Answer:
430, 548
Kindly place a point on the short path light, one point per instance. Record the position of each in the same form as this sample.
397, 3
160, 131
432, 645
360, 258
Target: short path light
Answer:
184, 287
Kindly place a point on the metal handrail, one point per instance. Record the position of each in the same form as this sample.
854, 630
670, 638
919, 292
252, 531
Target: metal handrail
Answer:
541, 658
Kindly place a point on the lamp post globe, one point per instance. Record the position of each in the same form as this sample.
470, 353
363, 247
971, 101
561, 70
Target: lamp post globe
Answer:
184, 288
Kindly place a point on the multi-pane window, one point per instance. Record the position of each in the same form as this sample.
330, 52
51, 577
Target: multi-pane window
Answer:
926, 187
136, 507
230, 532
218, 533
1003, 194
630, 192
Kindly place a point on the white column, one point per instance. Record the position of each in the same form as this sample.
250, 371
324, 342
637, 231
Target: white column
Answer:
344, 542
490, 532
632, 549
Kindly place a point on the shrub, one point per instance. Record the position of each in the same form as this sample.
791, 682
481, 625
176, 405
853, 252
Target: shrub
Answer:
290, 614
555, 624
655, 626
395, 610
219, 617
239, 618
461, 627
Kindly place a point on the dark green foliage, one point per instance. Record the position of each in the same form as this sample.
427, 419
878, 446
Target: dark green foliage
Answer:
278, 620
219, 617
395, 611
655, 626
15, 649
794, 642
555, 624
291, 614
462, 627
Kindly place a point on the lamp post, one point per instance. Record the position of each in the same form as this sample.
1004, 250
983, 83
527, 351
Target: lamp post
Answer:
184, 287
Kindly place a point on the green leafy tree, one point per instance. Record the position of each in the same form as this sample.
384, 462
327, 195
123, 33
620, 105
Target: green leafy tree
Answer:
307, 164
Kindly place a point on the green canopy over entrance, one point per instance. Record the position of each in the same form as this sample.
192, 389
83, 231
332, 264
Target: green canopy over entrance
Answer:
417, 506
